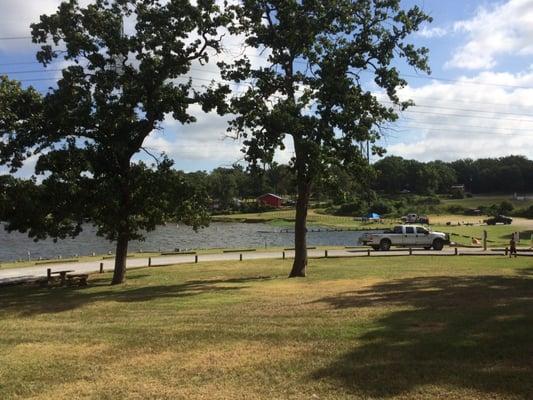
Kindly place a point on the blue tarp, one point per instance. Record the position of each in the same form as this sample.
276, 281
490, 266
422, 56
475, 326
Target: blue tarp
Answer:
373, 216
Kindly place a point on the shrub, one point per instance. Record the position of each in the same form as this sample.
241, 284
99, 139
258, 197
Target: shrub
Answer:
428, 201
382, 207
524, 212
254, 207
505, 207
455, 209
457, 194
352, 209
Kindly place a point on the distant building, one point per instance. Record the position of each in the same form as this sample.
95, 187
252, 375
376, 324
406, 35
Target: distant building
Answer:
271, 200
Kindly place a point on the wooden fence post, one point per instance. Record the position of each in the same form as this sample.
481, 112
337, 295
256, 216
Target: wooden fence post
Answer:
456, 251
326, 253
196, 259
485, 235
48, 273
240, 257
149, 262
101, 267
410, 251
368, 252
283, 256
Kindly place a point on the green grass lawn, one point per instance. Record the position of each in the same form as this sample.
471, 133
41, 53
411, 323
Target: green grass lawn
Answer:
396, 328
285, 219
498, 235
479, 200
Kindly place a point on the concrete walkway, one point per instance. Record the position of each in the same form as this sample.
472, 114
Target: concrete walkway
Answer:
13, 275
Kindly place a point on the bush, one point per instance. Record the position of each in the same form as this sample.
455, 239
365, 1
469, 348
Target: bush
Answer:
353, 209
455, 209
524, 212
254, 207
457, 194
505, 207
382, 207
428, 201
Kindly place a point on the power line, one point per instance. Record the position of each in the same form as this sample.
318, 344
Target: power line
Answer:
19, 63
15, 37
304, 63
488, 131
455, 101
467, 116
405, 111
466, 134
465, 126
466, 110
31, 71
435, 78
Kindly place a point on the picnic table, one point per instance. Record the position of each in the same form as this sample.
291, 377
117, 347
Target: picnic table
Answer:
62, 275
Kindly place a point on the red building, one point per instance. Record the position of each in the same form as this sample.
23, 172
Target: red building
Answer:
270, 199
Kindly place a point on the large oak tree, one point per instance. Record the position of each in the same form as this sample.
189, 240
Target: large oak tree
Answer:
316, 86
117, 87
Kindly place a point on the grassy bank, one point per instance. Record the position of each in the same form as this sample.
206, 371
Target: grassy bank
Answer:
285, 218
365, 328
477, 201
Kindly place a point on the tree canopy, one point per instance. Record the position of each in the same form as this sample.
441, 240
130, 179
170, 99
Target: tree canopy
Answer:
314, 87
117, 87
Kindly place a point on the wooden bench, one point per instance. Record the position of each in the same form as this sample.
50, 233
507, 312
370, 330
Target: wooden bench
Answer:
77, 279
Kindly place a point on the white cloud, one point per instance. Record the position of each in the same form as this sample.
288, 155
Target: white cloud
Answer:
501, 30
466, 119
429, 33
15, 21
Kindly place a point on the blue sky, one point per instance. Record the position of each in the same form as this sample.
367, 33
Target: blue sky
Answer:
480, 103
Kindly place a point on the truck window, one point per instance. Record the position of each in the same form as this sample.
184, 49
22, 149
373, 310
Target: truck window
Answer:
409, 229
397, 229
422, 231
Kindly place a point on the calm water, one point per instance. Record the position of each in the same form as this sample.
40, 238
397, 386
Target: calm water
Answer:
15, 246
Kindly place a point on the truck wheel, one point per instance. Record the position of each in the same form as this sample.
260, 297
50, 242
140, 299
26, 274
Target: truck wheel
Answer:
427, 248
384, 245
376, 248
438, 244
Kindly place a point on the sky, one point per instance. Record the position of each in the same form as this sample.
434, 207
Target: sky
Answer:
477, 102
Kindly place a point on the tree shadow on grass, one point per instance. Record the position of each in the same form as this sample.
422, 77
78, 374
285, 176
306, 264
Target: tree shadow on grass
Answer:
467, 333
30, 301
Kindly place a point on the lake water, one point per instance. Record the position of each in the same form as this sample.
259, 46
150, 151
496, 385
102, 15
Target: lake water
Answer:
16, 246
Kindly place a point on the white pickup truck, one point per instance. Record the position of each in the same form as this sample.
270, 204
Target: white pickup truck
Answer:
405, 236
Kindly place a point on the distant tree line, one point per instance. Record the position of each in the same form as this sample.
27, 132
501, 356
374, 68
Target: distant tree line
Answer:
389, 176
486, 175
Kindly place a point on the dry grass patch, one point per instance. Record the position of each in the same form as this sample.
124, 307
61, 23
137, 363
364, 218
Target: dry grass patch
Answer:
411, 328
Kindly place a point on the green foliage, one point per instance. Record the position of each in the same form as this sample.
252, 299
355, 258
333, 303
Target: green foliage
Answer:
505, 207
525, 212
115, 91
353, 209
338, 41
498, 175
382, 207
396, 174
456, 193
311, 90
457, 209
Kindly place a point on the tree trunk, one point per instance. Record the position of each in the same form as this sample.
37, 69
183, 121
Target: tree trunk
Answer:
300, 231
120, 260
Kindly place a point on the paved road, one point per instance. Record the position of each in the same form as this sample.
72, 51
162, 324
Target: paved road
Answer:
12, 275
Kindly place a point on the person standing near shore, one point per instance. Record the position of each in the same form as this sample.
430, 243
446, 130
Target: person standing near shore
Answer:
512, 246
